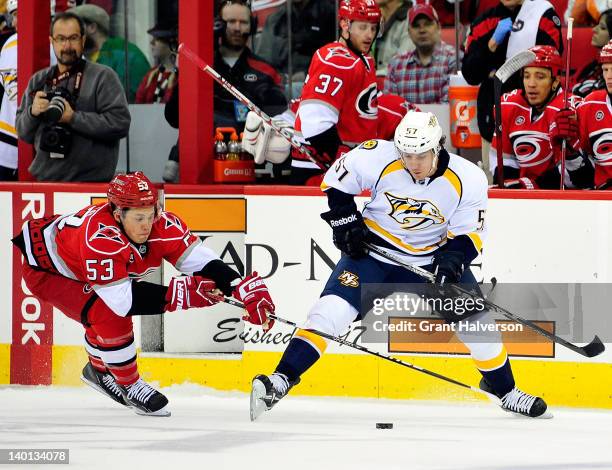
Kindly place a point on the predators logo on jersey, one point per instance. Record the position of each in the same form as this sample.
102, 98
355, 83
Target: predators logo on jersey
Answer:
349, 279
414, 214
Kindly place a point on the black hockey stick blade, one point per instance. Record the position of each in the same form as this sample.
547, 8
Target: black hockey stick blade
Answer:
594, 348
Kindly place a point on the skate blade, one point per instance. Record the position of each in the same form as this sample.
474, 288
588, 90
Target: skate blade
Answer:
96, 387
164, 412
258, 406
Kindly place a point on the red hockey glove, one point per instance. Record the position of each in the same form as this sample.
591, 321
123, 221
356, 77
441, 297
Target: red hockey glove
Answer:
565, 127
191, 292
257, 301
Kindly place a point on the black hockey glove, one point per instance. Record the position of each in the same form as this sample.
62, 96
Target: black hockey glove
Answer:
349, 230
448, 266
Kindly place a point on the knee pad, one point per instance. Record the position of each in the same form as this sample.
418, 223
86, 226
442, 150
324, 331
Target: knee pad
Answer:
484, 345
331, 314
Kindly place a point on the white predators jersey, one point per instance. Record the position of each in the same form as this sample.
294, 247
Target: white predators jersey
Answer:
8, 110
413, 218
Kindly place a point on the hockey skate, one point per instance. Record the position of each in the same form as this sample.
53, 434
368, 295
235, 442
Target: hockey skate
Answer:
267, 390
520, 403
144, 399
102, 382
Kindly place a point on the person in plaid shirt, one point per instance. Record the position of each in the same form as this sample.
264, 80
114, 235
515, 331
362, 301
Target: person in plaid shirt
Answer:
422, 76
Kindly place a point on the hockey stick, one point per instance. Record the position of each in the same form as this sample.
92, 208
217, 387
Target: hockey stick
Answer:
502, 75
353, 345
568, 61
189, 54
594, 348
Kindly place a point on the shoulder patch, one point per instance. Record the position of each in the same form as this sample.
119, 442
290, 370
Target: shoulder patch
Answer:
369, 144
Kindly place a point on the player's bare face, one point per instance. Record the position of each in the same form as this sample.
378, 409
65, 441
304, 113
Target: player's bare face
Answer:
607, 75
238, 24
420, 165
137, 223
538, 83
601, 35
361, 34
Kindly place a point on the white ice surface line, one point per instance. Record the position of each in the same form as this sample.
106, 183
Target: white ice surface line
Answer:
211, 429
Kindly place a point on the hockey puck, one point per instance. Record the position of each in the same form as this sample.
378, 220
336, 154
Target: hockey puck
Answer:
384, 425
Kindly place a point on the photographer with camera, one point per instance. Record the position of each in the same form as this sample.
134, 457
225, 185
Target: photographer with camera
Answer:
74, 113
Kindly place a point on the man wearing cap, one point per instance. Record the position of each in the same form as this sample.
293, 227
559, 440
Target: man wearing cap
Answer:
107, 50
157, 85
421, 76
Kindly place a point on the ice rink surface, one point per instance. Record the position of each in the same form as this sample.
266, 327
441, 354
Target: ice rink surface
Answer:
211, 430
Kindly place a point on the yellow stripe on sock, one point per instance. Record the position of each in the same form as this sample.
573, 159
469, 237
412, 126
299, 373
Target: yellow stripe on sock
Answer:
317, 341
495, 363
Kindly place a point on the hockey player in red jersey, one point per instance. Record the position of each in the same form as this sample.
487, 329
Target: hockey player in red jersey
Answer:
595, 120
338, 108
534, 123
87, 264
391, 109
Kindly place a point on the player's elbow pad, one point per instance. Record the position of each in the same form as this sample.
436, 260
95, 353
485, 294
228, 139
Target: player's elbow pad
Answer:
147, 299
221, 273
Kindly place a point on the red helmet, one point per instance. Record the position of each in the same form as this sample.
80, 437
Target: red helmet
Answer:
360, 10
128, 190
547, 57
605, 55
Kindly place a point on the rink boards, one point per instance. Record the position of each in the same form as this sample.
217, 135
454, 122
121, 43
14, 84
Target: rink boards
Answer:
278, 232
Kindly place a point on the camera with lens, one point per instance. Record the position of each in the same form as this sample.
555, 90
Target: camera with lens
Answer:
56, 138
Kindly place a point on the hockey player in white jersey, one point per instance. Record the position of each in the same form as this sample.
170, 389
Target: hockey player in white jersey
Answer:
8, 109
427, 207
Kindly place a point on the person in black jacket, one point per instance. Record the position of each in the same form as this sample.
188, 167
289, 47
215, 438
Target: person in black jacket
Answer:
250, 74
518, 23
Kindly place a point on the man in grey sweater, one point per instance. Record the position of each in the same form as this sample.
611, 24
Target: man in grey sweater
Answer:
83, 144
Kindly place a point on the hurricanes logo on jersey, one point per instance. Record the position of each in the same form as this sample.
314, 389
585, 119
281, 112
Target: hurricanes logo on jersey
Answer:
367, 102
601, 142
108, 232
349, 279
414, 214
531, 147
171, 221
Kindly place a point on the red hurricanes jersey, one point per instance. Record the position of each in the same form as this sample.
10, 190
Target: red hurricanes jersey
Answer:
525, 139
340, 90
90, 247
391, 109
595, 118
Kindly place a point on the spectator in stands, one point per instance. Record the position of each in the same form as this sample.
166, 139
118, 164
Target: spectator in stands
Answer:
110, 51
422, 76
171, 113
313, 24
156, 86
585, 12
74, 113
395, 38
590, 77
493, 39
254, 77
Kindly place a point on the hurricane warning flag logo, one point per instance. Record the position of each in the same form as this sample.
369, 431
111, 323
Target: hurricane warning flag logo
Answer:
414, 214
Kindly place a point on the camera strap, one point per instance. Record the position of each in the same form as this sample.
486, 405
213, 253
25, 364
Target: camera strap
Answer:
77, 72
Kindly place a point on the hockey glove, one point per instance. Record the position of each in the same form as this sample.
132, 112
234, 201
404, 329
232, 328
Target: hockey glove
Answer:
565, 127
252, 291
191, 292
520, 183
263, 142
350, 231
448, 266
